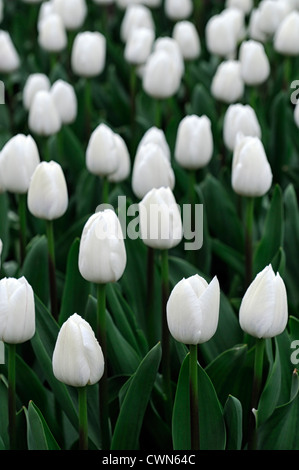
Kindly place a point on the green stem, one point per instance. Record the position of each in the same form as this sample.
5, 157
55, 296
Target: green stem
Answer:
133, 81
248, 240
22, 203
150, 317
103, 384
194, 414
88, 104
52, 268
83, 421
165, 362
12, 394
158, 114
105, 190
256, 389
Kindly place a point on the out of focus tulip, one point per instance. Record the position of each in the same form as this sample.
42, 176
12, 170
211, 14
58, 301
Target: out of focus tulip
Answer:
101, 152
194, 142
227, 84
223, 31
151, 169
65, 100
255, 65
170, 45
286, 39
264, 309
47, 194
193, 310
254, 29
178, 9
186, 35
52, 35
139, 45
18, 161
136, 16
72, 12
17, 310
272, 13
77, 358
34, 83
102, 254
251, 171
9, 57
44, 118
123, 161
239, 119
160, 219
155, 135
88, 57
244, 5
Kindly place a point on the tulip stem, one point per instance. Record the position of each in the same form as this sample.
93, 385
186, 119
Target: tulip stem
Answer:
256, 388
52, 268
12, 394
165, 363
83, 421
248, 240
105, 190
88, 104
103, 385
150, 296
23, 226
194, 415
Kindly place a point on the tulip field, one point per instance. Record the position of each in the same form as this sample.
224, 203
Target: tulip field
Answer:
149, 227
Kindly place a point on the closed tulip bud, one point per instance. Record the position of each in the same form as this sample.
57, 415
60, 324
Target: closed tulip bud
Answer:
286, 39
194, 142
254, 28
65, 100
220, 36
171, 46
52, 35
255, 66
88, 57
34, 83
178, 9
101, 152
244, 5
272, 14
161, 75
160, 219
72, 12
251, 171
47, 194
264, 310
239, 119
18, 161
9, 57
43, 116
139, 45
17, 310
102, 254
193, 310
151, 169
123, 161
227, 84
77, 358
155, 136
136, 16
186, 35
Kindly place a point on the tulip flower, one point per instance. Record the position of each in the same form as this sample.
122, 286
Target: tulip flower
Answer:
139, 45
136, 16
52, 35
255, 31
156, 136
244, 5
271, 14
72, 12
239, 119
255, 65
88, 56
221, 36
186, 35
286, 39
78, 361
9, 58
65, 100
227, 84
124, 161
177, 10
34, 83
43, 116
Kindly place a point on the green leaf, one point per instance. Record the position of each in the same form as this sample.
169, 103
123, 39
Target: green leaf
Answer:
211, 422
233, 420
39, 436
129, 423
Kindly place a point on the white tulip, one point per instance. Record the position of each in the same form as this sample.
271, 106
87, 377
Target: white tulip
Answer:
171, 46
136, 16
101, 153
34, 83
43, 116
88, 56
139, 45
244, 5
9, 57
77, 358
251, 171
65, 100
48, 194
272, 13
254, 28
220, 36
255, 65
151, 169
155, 136
178, 9
160, 219
227, 84
72, 12
123, 161
239, 119
52, 35
286, 39
194, 142
18, 161
102, 253
17, 310
186, 35
264, 309
193, 310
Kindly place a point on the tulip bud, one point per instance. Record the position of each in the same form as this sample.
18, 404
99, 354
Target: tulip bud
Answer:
264, 310
47, 194
139, 45
101, 153
186, 35
255, 66
239, 119
123, 161
251, 172
34, 83
18, 160
254, 28
194, 142
227, 84
171, 46
155, 136
9, 58
43, 117
272, 14
151, 169
65, 100
17, 310
193, 310
88, 54
244, 5
286, 39
52, 36
178, 9
160, 219
102, 253
72, 12
77, 358
220, 36
136, 16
